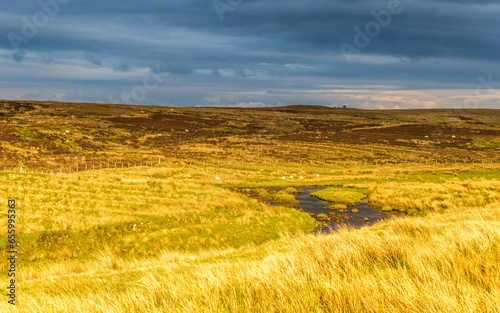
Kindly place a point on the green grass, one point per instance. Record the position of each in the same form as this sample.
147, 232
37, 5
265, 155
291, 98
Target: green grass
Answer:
282, 196
488, 145
340, 195
152, 235
441, 176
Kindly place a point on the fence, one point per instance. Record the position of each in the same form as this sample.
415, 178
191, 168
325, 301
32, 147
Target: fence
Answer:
234, 163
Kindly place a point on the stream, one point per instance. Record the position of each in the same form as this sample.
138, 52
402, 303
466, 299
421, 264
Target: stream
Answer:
335, 218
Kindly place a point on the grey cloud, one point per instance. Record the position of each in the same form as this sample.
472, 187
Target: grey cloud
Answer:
93, 59
122, 67
445, 43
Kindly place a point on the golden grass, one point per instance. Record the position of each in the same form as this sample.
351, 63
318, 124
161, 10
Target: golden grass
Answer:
84, 200
452, 194
441, 262
438, 263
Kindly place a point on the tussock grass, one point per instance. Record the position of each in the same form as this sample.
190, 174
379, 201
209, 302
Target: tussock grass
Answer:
437, 263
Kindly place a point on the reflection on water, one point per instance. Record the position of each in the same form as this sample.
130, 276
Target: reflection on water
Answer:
314, 206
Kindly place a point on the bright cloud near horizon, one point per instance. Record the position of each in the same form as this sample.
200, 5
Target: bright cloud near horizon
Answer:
370, 54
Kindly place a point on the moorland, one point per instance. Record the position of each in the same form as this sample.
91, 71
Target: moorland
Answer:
140, 208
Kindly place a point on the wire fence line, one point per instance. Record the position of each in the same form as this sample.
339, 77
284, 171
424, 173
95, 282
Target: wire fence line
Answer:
81, 167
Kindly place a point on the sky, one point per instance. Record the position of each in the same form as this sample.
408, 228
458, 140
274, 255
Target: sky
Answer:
367, 54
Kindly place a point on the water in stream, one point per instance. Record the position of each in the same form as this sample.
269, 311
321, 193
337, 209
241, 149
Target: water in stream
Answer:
314, 206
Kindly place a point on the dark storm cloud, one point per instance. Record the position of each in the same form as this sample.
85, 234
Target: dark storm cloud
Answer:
259, 44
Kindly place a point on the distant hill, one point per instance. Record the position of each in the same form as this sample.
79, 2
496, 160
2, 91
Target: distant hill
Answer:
47, 134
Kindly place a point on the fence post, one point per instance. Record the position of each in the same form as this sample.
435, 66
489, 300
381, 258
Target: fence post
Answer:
93, 166
61, 170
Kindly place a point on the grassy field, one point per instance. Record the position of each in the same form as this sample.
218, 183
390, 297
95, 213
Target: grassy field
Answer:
182, 236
